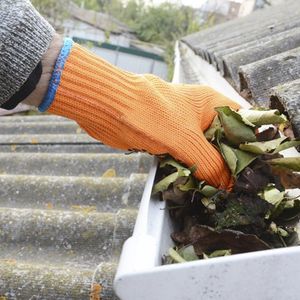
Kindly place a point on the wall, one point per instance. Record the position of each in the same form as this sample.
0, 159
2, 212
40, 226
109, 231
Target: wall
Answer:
133, 63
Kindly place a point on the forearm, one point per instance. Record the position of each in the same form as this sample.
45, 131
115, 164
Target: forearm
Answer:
25, 37
48, 62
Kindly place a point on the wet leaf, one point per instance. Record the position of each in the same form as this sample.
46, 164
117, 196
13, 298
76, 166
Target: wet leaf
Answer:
262, 117
236, 131
291, 213
268, 134
291, 163
205, 239
288, 179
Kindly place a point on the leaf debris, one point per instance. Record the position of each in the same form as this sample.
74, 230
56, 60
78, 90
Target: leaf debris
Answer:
258, 214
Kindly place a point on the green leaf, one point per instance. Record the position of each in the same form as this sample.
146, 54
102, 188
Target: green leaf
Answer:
272, 195
189, 185
262, 147
262, 117
287, 145
236, 131
229, 157
163, 184
176, 256
215, 125
243, 160
188, 253
208, 203
175, 164
208, 191
219, 253
291, 163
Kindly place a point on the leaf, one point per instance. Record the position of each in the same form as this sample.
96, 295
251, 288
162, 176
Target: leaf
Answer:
175, 164
205, 239
291, 163
219, 253
244, 159
188, 185
208, 191
109, 173
229, 157
272, 195
262, 147
188, 253
208, 203
176, 256
288, 179
236, 131
290, 213
95, 291
210, 132
262, 117
287, 145
174, 194
267, 135
163, 184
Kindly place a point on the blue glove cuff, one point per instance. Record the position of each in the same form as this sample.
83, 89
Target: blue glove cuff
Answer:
56, 75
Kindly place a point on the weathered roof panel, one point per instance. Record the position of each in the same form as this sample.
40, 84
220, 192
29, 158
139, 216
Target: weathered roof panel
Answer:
257, 54
62, 223
286, 98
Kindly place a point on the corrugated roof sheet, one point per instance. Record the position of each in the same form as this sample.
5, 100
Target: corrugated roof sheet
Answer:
258, 54
62, 223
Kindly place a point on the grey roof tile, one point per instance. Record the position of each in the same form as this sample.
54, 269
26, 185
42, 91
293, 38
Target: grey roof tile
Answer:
256, 54
62, 224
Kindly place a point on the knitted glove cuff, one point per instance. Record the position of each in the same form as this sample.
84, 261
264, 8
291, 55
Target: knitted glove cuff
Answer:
24, 37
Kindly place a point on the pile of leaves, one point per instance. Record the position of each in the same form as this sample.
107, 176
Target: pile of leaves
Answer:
259, 213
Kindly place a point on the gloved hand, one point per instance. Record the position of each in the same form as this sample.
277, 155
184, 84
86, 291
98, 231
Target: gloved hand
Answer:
141, 112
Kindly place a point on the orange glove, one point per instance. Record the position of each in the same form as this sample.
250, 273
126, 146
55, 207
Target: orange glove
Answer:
141, 112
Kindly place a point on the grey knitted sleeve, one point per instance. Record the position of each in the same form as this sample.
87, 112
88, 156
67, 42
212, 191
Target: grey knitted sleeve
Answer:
24, 37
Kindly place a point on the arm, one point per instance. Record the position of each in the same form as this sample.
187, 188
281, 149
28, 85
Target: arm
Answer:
129, 111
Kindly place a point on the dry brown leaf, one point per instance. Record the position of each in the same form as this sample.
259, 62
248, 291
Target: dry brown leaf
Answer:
95, 291
288, 179
49, 205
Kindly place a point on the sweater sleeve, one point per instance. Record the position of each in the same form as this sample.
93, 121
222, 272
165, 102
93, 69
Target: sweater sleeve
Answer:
24, 37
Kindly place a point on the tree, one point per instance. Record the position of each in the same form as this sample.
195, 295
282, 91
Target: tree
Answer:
54, 10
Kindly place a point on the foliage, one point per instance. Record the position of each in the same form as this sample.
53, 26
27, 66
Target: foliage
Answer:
258, 213
162, 24
54, 10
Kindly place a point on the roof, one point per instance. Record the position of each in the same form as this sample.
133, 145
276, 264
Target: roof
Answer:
259, 55
99, 20
62, 222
